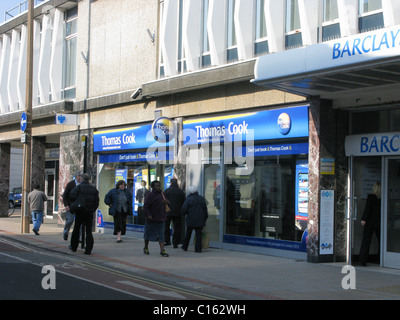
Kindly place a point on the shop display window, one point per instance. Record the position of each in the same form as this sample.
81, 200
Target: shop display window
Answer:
133, 174
272, 202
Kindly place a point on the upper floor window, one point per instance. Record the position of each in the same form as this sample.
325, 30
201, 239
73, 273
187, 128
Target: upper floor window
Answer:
370, 5
293, 27
261, 42
71, 39
330, 24
370, 15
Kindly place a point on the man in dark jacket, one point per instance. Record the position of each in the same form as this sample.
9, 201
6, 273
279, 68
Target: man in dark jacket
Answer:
195, 208
371, 221
69, 216
176, 198
84, 216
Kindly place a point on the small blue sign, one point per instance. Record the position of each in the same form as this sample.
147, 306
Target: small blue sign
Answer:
24, 121
61, 119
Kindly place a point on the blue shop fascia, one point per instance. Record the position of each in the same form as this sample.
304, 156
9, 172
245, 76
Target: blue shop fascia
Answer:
251, 167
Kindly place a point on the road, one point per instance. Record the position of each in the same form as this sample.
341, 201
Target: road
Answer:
24, 276
29, 272
32, 273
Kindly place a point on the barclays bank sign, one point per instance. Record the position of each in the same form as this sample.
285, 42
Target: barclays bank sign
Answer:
366, 48
375, 43
379, 144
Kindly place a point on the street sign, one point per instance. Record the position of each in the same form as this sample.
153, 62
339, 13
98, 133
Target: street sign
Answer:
23, 122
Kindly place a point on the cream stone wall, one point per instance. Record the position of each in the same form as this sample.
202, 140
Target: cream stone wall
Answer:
232, 98
121, 53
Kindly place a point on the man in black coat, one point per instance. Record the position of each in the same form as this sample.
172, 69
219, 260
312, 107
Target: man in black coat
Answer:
176, 198
69, 216
84, 216
371, 221
195, 207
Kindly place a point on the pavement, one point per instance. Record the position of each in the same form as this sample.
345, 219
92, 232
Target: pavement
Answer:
250, 276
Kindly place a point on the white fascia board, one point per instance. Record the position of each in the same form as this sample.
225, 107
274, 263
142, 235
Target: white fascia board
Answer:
216, 26
309, 15
13, 71
169, 37
56, 60
36, 55
192, 22
4, 67
44, 58
22, 67
244, 17
274, 11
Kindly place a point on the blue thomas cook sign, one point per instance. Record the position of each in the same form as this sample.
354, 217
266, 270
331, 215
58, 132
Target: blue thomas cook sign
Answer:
23, 122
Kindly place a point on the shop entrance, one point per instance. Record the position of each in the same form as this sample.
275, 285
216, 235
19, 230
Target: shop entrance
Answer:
49, 186
366, 172
384, 251
391, 217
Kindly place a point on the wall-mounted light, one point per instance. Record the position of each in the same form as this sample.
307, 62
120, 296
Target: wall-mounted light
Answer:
136, 93
85, 57
152, 35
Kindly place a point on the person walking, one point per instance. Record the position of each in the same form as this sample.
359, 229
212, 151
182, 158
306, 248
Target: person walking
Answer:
154, 209
119, 200
195, 208
85, 215
141, 194
371, 221
176, 197
36, 199
69, 216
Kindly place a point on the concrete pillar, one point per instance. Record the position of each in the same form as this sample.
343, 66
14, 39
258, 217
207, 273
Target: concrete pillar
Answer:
38, 162
5, 151
75, 156
313, 182
71, 161
327, 128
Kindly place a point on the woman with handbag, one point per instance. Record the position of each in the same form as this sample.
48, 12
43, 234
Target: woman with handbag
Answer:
155, 207
119, 200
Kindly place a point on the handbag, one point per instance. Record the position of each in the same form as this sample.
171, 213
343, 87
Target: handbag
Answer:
167, 208
79, 204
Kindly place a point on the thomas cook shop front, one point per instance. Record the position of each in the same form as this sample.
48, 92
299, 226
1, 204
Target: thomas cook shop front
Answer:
252, 169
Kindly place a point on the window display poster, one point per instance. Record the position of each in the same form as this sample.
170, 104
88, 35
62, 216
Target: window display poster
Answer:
168, 175
301, 194
137, 179
327, 222
121, 174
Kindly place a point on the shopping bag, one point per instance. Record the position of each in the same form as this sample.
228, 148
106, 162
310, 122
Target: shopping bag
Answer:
205, 240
